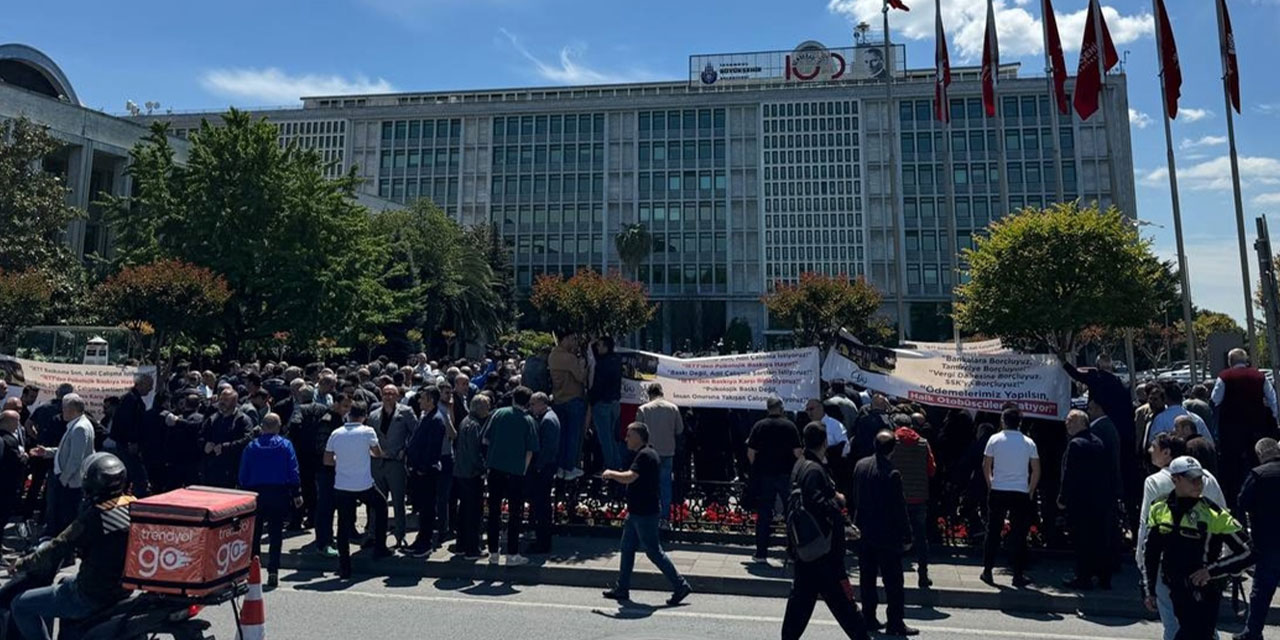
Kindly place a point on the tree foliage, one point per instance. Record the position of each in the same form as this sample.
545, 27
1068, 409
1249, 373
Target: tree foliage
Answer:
633, 243
1042, 277
176, 299
486, 239
820, 305
592, 304
24, 298
737, 337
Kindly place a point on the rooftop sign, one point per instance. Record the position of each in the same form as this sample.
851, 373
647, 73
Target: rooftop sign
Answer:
810, 62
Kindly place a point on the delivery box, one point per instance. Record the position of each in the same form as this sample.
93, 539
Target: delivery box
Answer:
191, 541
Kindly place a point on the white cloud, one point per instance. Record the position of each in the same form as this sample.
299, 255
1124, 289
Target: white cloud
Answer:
1139, 119
1205, 141
1268, 109
1266, 200
1019, 30
1193, 115
1215, 174
568, 68
273, 86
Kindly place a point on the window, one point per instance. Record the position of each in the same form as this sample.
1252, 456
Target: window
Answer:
1028, 106
645, 123
958, 140
924, 142
386, 130
1012, 141
960, 175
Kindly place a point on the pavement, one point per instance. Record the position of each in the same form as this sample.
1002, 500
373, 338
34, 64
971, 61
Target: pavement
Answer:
592, 562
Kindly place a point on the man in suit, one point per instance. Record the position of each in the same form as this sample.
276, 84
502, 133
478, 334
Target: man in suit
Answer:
1117, 403
1246, 413
1086, 493
394, 423
879, 508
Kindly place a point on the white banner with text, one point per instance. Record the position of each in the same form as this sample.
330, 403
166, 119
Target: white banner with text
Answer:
94, 383
742, 381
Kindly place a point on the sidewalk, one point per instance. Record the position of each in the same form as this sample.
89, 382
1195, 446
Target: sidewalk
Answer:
727, 569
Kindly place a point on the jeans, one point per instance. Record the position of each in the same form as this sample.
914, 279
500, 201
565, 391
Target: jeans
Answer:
424, 486
324, 507
919, 516
346, 501
664, 486
642, 532
572, 414
274, 505
887, 563
392, 480
541, 483
470, 492
62, 506
825, 578
1265, 577
34, 611
511, 487
1017, 506
769, 487
604, 417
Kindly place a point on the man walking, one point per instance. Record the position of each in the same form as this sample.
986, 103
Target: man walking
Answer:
664, 423
568, 387
1011, 466
825, 576
335, 416
1258, 498
1246, 413
640, 530
349, 452
422, 458
269, 467
879, 509
65, 482
1086, 493
772, 450
542, 471
512, 439
393, 422
913, 458
468, 475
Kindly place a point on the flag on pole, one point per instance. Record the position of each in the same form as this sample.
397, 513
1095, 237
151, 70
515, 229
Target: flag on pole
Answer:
1057, 61
1088, 76
1170, 69
942, 69
897, 4
1232, 65
990, 62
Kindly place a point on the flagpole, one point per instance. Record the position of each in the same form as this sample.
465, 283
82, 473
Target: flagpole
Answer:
948, 166
1002, 163
1098, 28
1188, 318
891, 141
1235, 179
1055, 113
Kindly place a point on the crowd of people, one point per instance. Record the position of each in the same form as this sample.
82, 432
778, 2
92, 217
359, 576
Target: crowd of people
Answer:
468, 445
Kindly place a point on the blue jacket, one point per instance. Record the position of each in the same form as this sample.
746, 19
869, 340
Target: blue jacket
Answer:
269, 460
423, 450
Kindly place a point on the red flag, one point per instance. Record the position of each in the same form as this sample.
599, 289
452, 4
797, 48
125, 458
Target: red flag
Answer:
897, 4
942, 69
1088, 76
1170, 69
1056, 59
990, 62
1230, 65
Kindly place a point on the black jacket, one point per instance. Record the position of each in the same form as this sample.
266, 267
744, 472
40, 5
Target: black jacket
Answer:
818, 493
100, 537
878, 505
129, 423
870, 423
1088, 478
1258, 499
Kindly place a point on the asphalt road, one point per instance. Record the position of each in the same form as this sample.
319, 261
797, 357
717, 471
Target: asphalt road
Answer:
320, 608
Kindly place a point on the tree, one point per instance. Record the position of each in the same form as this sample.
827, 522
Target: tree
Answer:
1207, 323
175, 298
486, 239
820, 305
633, 244
24, 298
592, 304
1042, 277
293, 245
737, 337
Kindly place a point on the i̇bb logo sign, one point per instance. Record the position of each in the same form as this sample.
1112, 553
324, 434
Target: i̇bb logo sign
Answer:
812, 61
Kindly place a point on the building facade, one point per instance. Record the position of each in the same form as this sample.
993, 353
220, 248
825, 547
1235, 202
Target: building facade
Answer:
759, 168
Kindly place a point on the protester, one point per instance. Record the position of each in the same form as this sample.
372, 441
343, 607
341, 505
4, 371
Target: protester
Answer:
1247, 412
64, 482
223, 437
913, 458
1163, 421
1258, 499
444, 505
1186, 536
127, 428
1011, 465
542, 472
1198, 446
772, 450
568, 388
1112, 397
48, 427
1199, 403
512, 439
349, 452
1087, 493
605, 393
643, 510
665, 424
13, 465
393, 422
468, 476
871, 422
879, 509
424, 468
824, 577
269, 467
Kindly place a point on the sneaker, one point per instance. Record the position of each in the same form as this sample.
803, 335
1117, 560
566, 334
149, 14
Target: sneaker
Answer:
617, 594
329, 552
986, 577
560, 474
760, 558
663, 525
902, 630
517, 560
575, 474
679, 595
493, 558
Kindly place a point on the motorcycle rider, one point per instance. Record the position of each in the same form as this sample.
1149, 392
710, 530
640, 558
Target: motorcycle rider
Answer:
99, 536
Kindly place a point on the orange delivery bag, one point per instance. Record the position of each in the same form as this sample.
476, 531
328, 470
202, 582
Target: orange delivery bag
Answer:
190, 542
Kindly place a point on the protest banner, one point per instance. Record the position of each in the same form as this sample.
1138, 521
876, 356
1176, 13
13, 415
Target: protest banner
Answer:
982, 379
742, 381
94, 383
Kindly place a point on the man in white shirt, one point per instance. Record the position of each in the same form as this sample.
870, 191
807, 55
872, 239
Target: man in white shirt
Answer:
1011, 466
1164, 448
350, 451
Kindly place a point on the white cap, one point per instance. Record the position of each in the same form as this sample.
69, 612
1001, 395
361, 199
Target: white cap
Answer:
1186, 466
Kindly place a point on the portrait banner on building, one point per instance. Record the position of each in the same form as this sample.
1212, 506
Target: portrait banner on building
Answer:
94, 383
981, 379
742, 381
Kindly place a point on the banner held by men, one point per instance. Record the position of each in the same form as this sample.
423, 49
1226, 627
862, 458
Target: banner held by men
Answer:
728, 382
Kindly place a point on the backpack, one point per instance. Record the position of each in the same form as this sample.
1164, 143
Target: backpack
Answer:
807, 536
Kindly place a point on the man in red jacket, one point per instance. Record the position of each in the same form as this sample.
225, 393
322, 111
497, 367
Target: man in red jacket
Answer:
914, 460
1246, 407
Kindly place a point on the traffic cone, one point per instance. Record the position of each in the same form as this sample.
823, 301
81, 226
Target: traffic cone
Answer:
253, 615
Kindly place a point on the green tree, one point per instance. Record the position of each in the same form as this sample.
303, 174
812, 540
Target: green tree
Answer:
175, 298
1207, 323
1041, 278
528, 342
486, 239
820, 305
24, 299
633, 244
592, 304
293, 245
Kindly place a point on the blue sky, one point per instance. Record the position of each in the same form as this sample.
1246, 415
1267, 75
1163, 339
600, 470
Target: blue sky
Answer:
268, 52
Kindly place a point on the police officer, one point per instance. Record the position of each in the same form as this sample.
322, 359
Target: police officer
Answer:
1185, 539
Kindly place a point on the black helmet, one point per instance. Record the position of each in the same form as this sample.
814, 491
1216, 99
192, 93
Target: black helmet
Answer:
105, 477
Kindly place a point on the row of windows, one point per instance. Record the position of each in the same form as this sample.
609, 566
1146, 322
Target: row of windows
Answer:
1033, 173
933, 240
570, 125
805, 220
806, 156
818, 172
810, 236
572, 186
1028, 107
401, 130
443, 159
656, 215
811, 140
674, 154
442, 190
540, 214
555, 244
961, 141
313, 128
539, 157
787, 271
790, 109
690, 243
978, 211
687, 275
933, 275
313, 142
690, 122
785, 205
807, 125
816, 188
825, 253
662, 185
